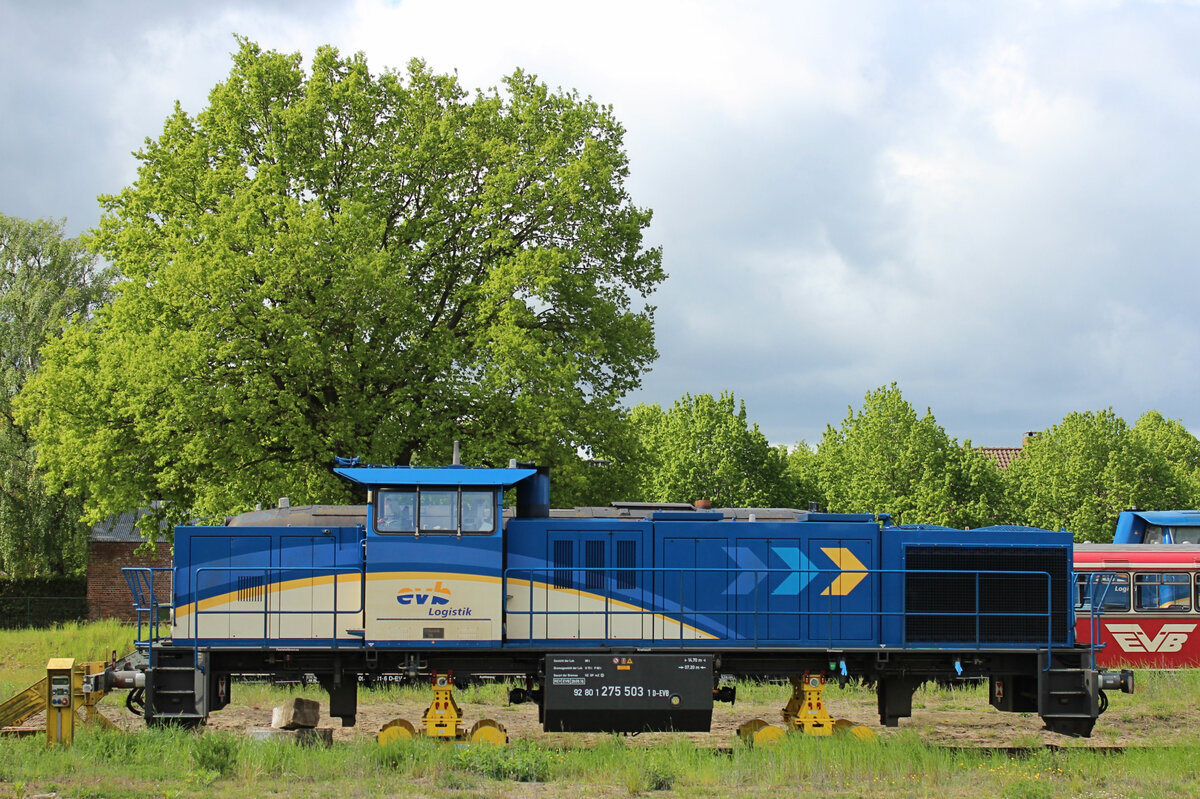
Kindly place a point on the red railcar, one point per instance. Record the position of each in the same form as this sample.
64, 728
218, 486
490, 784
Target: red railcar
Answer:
1146, 602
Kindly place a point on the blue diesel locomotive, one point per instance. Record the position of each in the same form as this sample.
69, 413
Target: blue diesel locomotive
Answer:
622, 618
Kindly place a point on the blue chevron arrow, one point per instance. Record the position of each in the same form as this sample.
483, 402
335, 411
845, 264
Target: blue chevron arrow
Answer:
802, 568
745, 581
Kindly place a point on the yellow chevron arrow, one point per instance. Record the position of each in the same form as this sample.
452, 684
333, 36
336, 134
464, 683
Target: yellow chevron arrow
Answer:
853, 572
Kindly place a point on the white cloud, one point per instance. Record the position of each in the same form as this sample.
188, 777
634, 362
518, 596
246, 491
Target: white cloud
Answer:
990, 203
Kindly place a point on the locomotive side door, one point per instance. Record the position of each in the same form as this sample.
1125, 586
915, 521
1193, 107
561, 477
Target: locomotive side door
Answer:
769, 585
693, 585
596, 589
842, 607
221, 593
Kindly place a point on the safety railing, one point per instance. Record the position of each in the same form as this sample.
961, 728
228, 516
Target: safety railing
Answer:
616, 605
539, 607
149, 611
274, 581
1094, 606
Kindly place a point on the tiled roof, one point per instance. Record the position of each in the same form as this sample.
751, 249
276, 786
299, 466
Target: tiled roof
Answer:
1003, 456
121, 528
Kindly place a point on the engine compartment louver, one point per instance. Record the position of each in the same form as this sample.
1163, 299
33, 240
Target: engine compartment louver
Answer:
981, 595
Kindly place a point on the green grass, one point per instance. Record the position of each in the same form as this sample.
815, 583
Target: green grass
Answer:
178, 763
167, 762
23, 653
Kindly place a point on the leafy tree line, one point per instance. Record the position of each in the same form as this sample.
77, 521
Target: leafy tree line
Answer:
45, 279
1078, 475
329, 261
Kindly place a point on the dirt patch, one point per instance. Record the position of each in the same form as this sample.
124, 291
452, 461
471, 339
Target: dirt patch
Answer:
951, 719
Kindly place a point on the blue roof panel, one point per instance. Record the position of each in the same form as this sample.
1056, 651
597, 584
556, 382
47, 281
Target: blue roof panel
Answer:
442, 476
1170, 518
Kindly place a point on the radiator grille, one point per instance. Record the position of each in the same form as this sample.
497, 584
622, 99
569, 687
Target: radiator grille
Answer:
994, 608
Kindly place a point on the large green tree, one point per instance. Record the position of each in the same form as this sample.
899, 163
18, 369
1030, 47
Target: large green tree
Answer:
1082, 472
703, 447
1172, 440
885, 458
336, 262
45, 278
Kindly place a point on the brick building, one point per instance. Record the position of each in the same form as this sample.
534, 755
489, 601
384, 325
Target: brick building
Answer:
112, 546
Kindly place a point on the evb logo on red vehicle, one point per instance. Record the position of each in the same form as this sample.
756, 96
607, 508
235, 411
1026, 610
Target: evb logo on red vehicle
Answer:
1132, 638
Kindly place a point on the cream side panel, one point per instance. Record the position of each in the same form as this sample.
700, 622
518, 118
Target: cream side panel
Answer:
311, 617
430, 606
566, 614
305, 609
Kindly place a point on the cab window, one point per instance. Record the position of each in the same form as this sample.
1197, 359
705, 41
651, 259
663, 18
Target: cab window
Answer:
439, 511
1159, 591
396, 512
1108, 593
444, 511
1185, 535
478, 511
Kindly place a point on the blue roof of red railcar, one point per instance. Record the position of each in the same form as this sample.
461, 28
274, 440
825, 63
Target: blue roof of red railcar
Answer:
1169, 518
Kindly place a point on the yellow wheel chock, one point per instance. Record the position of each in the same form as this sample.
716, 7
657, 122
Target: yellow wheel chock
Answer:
759, 733
395, 730
442, 721
805, 712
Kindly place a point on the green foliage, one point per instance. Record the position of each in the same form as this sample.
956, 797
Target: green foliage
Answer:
333, 262
24, 652
521, 761
887, 459
216, 752
1082, 472
704, 448
803, 476
658, 772
44, 586
45, 279
1168, 437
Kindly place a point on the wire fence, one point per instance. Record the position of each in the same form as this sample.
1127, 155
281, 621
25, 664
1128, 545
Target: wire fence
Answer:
19, 612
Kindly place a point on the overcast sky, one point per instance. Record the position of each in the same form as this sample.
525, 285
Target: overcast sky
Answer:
992, 204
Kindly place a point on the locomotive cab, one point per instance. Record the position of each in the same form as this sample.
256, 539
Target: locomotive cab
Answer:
433, 554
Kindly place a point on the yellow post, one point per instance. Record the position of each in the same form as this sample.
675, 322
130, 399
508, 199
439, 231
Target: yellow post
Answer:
60, 701
806, 710
441, 719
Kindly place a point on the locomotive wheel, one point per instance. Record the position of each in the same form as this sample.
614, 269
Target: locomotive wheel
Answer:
487, 731
759, 733
395, 730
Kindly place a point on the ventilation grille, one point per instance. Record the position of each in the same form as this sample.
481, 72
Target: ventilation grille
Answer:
627, 560
564, 554
593, 561
249, 589
990, 603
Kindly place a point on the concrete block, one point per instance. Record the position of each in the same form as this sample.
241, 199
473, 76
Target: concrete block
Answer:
304, 736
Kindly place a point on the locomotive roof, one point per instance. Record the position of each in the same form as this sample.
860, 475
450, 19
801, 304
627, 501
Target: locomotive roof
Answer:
1169, 518
434, 476
302, 516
